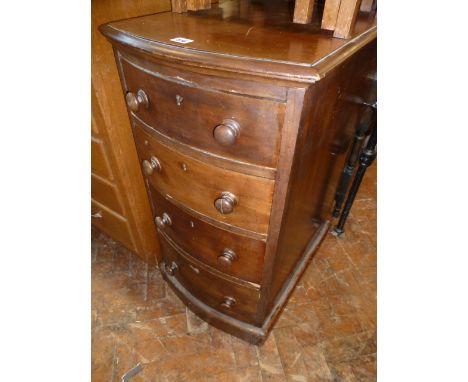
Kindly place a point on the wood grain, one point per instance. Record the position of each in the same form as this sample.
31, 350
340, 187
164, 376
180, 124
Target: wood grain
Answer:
195, 5
112, 224
106, 193
202, 109
289, 213
111, 121
328, 123
179, 6
207, 242
100, 163
346, 18
366, 5
330, 14
222, 47
303, 11
201, 184
209, 288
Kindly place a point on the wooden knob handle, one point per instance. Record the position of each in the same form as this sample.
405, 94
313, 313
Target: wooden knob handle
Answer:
135, 100
163, 221
151, 165
228, 302
227, 257
226, 202
226, 133
172, 268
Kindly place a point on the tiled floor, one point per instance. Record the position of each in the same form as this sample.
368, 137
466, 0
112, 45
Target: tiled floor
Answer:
327, 332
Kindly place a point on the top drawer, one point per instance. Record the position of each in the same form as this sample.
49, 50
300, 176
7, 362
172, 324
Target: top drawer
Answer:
241, 128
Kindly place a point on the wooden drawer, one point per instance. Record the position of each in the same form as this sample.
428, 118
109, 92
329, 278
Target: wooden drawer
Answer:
111, 223
243, 258
99, 160
106, 194
198, 185
193, 118
208, 287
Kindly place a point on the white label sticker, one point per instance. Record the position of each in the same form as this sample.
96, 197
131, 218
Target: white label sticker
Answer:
182, 40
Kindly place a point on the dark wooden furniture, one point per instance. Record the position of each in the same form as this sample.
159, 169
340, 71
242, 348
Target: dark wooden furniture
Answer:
365, 158
338, 15
119, 205
242, 128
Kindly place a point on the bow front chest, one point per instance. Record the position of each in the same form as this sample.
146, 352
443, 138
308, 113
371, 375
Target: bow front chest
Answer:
241, 123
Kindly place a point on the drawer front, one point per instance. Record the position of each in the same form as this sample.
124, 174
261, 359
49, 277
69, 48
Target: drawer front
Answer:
114, 225
202, 187
191, 114
227, 297
236, 255
105, 193
99, 160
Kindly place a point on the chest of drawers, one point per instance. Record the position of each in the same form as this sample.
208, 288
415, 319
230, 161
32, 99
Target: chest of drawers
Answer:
241, 134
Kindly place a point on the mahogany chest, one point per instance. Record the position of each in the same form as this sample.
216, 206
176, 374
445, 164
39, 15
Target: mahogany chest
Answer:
241, 121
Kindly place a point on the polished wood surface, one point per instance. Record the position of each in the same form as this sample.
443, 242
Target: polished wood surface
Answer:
190, 114
207, 242
207, 199
209, 288
218, 81
329, 121
113, 151
242, 43
198, 185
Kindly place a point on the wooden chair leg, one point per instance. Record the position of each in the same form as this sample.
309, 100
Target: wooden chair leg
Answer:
346, 18
195, 5
179, 6
303, 11
330, 14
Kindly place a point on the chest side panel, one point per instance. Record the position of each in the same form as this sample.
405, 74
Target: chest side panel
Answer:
327, 126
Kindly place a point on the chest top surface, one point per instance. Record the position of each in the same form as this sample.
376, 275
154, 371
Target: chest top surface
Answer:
252, 37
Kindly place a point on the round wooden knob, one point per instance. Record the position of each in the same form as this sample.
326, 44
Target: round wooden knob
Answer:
226, 133
171, 269
225, 203
227, 257
135, 100
228, 302
163, 221
151, 165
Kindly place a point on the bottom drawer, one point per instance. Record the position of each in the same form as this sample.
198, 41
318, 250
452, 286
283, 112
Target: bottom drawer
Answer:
112, 224
225, 296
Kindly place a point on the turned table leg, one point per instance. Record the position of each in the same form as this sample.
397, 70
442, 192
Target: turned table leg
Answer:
365, 160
